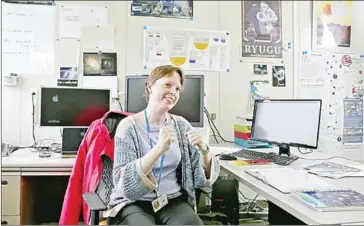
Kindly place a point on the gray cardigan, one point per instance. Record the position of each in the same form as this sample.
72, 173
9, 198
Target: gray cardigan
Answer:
130, 183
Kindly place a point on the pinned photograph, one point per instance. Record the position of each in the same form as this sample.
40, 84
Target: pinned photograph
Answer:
95, 64
68, 76
278, 76
168, 9
332, 23
260, 69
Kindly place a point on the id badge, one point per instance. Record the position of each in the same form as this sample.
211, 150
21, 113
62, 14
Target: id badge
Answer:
160, 202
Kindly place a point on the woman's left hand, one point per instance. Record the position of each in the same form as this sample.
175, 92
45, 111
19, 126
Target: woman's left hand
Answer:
196, 140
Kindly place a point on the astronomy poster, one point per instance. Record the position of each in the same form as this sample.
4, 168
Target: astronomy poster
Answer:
261, 29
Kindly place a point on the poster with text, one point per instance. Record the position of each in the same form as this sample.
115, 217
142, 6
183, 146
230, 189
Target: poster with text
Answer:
261, 29
201, 50
168, 9
332, 23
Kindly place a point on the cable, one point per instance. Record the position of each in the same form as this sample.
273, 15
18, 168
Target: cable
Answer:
214, 126
304, 153
332, 157
33, 115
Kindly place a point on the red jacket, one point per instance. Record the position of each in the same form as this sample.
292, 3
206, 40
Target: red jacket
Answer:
86, 172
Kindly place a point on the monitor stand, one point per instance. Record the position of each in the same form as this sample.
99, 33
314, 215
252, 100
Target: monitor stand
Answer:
284, 150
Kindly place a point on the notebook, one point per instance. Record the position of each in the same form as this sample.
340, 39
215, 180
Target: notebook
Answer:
287, 180
331, 170
337, 199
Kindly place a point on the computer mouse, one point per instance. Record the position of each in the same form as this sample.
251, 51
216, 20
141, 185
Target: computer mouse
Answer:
227, 157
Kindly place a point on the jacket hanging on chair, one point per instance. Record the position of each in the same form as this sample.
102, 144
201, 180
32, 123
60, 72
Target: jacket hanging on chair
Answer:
87, 169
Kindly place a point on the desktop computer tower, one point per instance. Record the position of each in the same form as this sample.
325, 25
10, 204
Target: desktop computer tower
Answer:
225, 198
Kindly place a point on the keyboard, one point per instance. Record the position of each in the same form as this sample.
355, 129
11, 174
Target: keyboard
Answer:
272, 157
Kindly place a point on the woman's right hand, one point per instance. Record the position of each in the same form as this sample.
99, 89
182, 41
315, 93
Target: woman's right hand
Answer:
166, 136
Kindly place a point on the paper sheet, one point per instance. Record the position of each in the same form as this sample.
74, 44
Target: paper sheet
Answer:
27, 47
298, 179
97, 37
73, 17
189, 49
109, 82
337, 79
68, 52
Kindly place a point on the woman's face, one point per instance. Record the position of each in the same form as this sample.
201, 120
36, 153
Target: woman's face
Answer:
165, 91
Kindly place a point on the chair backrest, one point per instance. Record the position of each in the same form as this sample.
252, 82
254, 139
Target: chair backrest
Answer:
106, 185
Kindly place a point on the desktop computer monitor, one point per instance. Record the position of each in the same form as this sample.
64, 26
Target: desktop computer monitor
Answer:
287, 123
190, 104
72, 107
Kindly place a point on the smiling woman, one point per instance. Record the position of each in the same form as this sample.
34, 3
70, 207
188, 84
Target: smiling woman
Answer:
159, 160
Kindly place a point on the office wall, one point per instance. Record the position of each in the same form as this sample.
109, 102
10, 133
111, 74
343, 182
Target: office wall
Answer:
228, 92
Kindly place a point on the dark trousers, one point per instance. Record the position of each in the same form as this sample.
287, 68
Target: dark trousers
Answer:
177, 212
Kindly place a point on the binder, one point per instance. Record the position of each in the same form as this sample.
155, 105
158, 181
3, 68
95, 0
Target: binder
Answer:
329, 200
287, 180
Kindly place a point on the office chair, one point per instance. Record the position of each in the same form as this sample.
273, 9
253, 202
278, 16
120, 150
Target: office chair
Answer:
101, 197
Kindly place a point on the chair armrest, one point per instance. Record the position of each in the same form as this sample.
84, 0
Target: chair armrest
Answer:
94, 201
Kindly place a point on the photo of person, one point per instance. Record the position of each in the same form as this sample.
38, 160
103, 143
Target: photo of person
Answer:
278, 76
260, 69
156, 204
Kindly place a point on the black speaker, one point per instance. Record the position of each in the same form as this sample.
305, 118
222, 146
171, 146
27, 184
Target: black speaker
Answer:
71, 139
225, 198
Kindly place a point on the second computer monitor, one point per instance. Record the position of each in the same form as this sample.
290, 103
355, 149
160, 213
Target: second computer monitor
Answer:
290, 122
190, 104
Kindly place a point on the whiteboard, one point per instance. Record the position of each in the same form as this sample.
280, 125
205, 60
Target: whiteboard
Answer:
28, 38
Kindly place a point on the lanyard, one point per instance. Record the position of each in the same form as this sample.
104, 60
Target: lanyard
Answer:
151, 146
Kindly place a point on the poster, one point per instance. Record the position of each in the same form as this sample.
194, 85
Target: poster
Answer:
262, 29
201, 50
332, 26
337, 80
95, 64
167, 9
278, 76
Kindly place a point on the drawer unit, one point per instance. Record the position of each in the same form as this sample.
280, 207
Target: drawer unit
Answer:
10, 197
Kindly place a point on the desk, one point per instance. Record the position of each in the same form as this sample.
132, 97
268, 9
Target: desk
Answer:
31, 185
293, 206
29, 177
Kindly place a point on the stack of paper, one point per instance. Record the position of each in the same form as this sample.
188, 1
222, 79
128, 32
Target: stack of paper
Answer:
287, 180
334, 170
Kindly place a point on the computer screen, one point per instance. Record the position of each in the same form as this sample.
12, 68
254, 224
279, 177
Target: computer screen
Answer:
72, 107
190, 104
290, 122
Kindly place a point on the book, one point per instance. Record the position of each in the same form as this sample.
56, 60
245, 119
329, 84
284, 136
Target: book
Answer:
331, 170
287, 180
337, 199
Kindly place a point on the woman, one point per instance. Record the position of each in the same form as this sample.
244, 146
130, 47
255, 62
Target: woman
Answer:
159, 160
